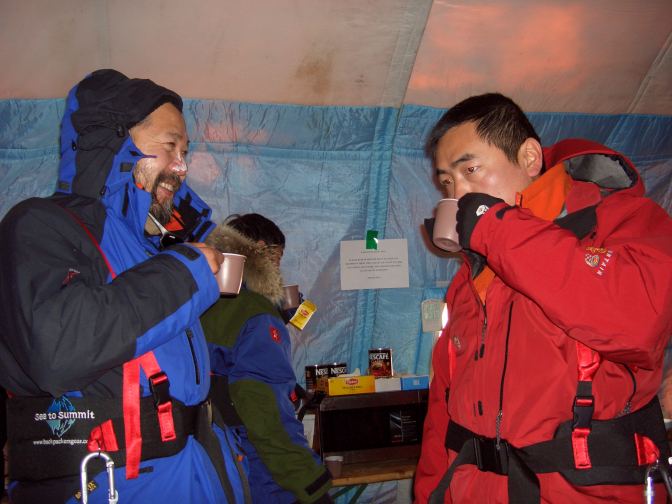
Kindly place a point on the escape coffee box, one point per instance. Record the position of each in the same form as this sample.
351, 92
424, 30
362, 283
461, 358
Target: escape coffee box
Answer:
380, 362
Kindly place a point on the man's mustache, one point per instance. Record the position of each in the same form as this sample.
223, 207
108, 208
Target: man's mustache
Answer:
169, 178
163, 211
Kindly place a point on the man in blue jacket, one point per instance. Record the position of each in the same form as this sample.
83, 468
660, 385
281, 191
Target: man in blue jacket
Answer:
101, 289
253, 379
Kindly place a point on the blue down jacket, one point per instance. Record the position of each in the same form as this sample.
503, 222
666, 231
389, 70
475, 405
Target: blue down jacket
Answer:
250, 346
67, 327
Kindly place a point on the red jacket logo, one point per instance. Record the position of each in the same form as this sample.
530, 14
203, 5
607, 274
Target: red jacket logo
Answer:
598, 258
592, 260
275, 335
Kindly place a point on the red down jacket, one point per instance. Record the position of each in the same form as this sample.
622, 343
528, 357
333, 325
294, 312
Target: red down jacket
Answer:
549, 292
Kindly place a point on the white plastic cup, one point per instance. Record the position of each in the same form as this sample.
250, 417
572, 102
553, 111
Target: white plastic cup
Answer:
292, 297
445, 226
335, 464
230, 274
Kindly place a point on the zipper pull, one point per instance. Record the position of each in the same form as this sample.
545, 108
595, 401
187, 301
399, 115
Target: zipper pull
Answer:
498, 426
190, 340
481, 350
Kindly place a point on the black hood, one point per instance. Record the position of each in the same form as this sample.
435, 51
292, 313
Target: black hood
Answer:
99, 112
98, 156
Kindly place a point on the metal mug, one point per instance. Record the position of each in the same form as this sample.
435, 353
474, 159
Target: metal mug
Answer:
445, 226
292, 297
230, 274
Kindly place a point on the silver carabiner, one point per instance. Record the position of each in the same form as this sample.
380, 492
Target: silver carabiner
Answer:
649, 491
662, 467
112, 495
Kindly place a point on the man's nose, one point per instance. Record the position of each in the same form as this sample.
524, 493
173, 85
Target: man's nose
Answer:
179, 165
460, 189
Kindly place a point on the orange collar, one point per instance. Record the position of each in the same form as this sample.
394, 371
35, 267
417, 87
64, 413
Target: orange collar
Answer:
175, 223
545, 198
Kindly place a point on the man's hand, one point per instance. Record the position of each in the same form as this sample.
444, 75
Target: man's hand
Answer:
470, 208
213, 256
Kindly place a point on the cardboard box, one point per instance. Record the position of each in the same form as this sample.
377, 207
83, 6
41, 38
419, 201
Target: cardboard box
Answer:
343, 385
388, 384
414, 382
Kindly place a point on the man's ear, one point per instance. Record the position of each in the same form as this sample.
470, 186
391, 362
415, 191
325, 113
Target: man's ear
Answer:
530, 157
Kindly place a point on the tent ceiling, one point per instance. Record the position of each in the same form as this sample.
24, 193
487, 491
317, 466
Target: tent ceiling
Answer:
602, 56
598, 56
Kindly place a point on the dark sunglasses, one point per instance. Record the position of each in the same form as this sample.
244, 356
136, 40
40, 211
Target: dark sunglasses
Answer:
167, 238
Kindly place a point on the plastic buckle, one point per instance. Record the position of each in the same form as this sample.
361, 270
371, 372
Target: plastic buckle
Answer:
584, 406
159, 385
491, 457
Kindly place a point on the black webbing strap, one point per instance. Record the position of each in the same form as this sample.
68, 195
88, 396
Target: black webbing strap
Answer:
500, 458
221, 400
318, 482
219, 421
613, 454
210, 443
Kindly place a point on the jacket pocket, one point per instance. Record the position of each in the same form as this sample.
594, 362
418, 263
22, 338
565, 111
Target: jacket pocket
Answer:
190, 340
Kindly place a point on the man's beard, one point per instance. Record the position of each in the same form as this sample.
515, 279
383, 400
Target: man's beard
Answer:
164, 211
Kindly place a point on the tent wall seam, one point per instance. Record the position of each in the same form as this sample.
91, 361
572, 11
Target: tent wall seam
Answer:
376, 217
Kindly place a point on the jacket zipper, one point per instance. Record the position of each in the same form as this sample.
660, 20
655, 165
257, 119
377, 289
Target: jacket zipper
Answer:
498, 420
190, 336
481, 351
628, 404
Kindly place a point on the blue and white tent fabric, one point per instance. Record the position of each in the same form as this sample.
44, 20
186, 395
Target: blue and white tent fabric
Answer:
327, 174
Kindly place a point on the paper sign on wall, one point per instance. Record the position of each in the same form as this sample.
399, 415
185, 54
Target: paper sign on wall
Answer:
383, 268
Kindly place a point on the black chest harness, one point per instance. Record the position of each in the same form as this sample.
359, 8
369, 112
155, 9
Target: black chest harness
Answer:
619, 451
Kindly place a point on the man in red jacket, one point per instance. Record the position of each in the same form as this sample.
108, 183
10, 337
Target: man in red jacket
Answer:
546, 374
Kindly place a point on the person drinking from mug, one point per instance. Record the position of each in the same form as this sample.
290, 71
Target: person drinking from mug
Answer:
545, 377
100, 342
253, 382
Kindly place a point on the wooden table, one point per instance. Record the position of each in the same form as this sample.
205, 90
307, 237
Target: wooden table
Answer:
374, 472
362, 473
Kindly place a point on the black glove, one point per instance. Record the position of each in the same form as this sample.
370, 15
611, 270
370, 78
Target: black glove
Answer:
287, 314
470, 208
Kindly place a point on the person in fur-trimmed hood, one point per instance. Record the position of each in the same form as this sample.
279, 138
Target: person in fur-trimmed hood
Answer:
253, 379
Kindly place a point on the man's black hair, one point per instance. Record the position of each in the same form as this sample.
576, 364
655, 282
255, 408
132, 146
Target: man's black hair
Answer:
257, 227
499, 122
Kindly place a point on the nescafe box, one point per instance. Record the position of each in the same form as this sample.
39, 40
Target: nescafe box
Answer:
321, 374
311, 377
380, 362
337, 369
